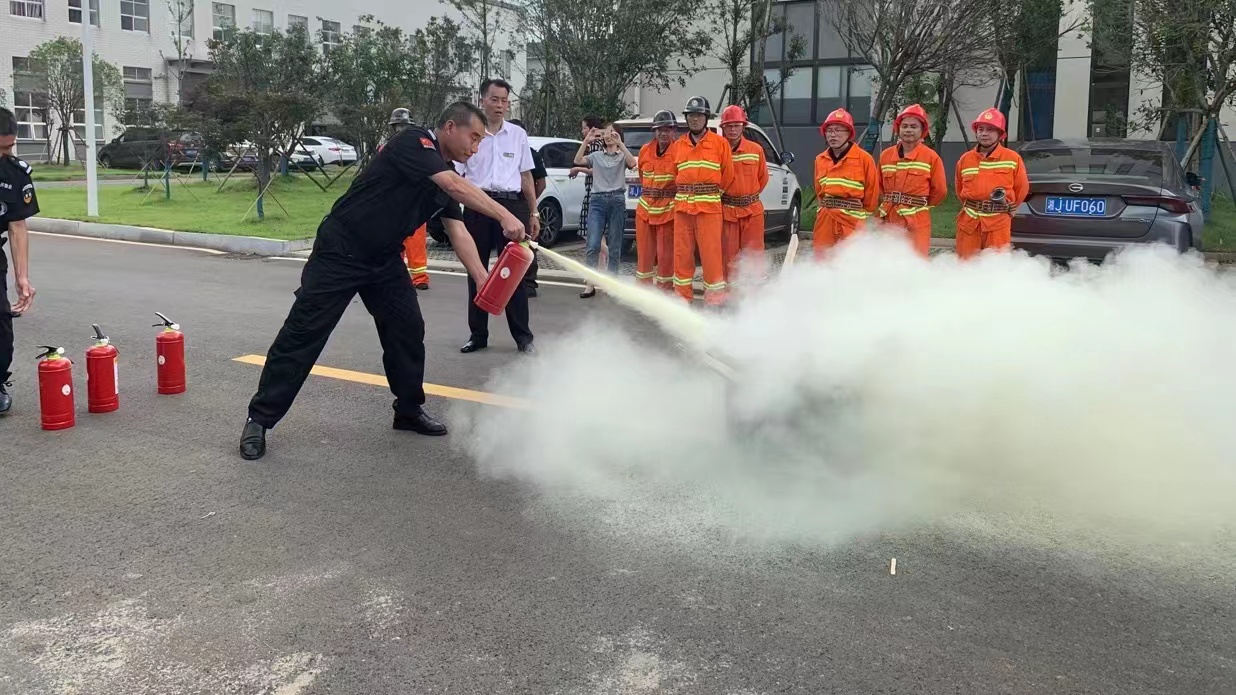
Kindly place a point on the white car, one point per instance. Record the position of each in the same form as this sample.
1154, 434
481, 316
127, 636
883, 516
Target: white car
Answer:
563, 198
782, 197
329, 150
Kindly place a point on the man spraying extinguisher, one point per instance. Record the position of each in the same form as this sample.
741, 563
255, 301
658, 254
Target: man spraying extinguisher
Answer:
912, 179
847, 184
991, 182
415, 251
740, 203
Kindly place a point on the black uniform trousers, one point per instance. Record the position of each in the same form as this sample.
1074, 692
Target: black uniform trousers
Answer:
487, 233
334, 275
6, 317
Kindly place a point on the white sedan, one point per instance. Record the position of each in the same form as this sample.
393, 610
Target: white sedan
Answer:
561, 201
329, 150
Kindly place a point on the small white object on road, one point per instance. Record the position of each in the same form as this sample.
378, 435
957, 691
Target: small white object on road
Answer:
207, 516
892, 567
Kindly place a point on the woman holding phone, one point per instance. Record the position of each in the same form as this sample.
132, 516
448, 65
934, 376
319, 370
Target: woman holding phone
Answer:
608, 205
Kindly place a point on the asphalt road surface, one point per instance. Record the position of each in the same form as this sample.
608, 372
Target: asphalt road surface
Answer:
140, 555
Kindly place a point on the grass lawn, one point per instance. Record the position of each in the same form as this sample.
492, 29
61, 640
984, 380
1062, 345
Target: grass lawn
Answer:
200, 208
1219, 235
72, 172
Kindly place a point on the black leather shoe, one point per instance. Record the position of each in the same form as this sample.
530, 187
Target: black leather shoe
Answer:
422, 286
6, 401
421, 423
473, 345
253, 441
528, 347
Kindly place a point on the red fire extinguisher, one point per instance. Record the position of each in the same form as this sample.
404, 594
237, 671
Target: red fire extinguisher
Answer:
102, 374
505, 278
56, 389
170, 351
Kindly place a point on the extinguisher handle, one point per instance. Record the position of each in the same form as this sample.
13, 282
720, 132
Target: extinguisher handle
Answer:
166, 323
98, 333
48, 351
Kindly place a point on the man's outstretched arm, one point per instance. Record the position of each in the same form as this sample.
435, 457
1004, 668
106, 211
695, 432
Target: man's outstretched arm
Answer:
474, 198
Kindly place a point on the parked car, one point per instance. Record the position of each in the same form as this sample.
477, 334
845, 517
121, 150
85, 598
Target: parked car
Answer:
329, 150
563, 198
782, 197
1089, 198
137, 147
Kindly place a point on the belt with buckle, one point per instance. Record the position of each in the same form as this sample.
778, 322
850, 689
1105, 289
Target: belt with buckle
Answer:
740, 201
899, 198
832, 201
658, 193
698, 188
988, 206
504, 195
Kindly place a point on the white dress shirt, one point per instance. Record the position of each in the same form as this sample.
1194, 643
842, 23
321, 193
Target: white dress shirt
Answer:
500, 160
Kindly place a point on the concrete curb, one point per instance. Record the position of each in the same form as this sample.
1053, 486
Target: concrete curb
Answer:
149, 235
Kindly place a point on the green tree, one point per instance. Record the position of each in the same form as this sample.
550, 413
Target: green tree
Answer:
484, 22
1026, 34
56, 68
741, 29
264, 89
446, 52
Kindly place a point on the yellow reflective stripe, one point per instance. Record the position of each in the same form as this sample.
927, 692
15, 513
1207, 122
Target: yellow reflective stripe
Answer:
664, 278
911, 211
888, 167
657, 209
715, 287
699, 164
997, 165
860, 214
643, 276
973, 170
693, 198
681, 282
658, 177
418, 270
922, 166
847, 183
976, 214
746, 158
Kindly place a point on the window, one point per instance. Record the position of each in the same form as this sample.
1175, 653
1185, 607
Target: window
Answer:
223, 19
263, 21
829, 92
800, 26
860, 93
796, 98
138, 95
75, 12
182, 11
770, 153
330, 35
135, 15
561, 155
30, 125
296, 21
828, 44
26, 8
79, 121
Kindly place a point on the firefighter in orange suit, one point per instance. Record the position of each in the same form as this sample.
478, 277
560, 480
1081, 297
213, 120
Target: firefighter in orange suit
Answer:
741, 207
991, 182
415, 254
654, 217
705, 167
912, 179
847, 184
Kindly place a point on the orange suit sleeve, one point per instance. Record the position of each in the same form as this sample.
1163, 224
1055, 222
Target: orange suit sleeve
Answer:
763, 170
1021, 183
727, 166
939, 183
819, 174
957, 177
871, 185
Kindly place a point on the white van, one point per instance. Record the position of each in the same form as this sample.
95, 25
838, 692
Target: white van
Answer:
782, 197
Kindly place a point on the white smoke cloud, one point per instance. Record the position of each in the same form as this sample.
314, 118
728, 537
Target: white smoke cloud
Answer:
883, 392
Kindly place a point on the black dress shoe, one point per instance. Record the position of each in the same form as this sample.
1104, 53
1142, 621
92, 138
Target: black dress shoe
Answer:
253, 441
528, 347
6, 401
473, 345
421, 423
422, 286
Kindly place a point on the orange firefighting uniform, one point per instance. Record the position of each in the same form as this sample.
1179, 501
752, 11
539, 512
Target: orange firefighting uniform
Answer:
976, 177
704, 170
742, 210
853, 177
416, 255
654, 217
909, 187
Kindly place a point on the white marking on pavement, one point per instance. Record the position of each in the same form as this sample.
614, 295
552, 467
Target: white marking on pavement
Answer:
456, 273
133, 243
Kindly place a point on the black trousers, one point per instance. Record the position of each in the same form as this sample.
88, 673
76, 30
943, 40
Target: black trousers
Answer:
331, 278
487, 234
6, 317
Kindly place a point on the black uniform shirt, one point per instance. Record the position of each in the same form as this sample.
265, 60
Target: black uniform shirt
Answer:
17, 199
394, 195
538, 166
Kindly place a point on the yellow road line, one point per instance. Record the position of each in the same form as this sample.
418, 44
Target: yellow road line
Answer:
379, 380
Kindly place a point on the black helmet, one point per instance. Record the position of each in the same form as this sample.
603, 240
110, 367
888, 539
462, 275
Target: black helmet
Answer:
401, 117
697, 105
664, 119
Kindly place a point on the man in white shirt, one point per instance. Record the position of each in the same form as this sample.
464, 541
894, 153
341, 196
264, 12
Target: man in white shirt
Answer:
502, 167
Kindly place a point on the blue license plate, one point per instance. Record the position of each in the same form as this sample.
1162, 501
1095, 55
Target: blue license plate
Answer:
1077, 207
634, 191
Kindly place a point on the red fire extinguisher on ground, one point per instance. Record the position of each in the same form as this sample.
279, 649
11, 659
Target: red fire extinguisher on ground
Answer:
56, 389
102, 374
505, 278
170, 353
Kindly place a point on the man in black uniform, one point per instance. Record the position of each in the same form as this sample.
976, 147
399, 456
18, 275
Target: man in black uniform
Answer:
17, 204
539, 181
410, 182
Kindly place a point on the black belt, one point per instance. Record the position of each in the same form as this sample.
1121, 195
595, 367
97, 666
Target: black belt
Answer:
504, 195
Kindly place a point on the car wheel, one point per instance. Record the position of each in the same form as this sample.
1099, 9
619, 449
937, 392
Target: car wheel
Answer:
105, 161
796, 212
551, 222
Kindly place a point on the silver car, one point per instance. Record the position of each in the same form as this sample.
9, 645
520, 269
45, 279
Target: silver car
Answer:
1089, 198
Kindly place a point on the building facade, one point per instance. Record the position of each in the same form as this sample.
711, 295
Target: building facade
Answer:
156, 42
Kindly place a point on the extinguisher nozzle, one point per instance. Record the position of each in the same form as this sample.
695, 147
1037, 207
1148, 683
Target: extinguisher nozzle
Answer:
167, 323
98, 332
48, 351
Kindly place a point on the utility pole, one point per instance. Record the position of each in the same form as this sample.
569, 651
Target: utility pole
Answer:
92, 179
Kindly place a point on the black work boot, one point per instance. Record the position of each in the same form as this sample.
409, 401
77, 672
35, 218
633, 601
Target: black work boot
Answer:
421, 423
6, 401
252, 441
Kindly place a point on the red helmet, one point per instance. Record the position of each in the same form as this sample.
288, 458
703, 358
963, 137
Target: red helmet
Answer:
839, 117
912, 111
991, 117
733, 114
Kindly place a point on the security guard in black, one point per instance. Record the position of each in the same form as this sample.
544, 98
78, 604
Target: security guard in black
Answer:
357, 251
17, 202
